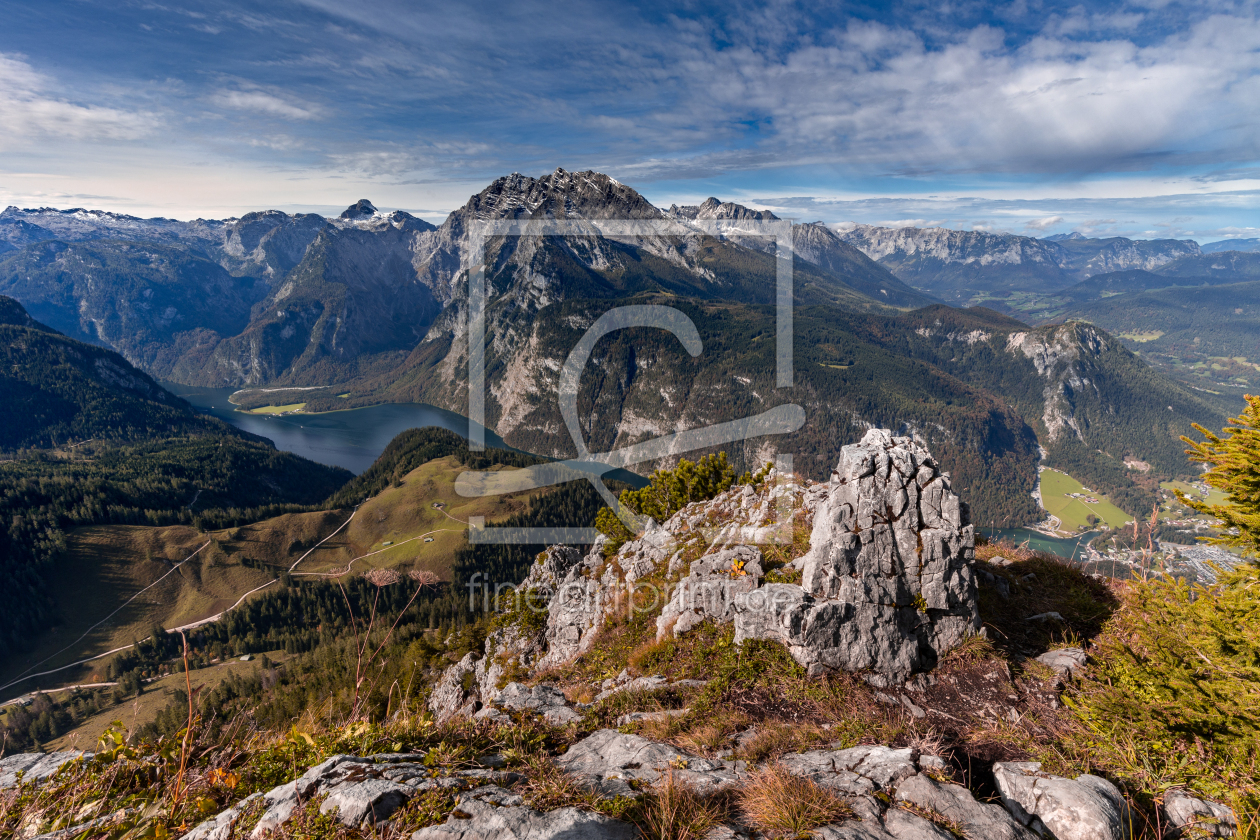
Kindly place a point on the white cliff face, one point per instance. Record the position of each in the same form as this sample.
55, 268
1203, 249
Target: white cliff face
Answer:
1057, 355
1123, 254
1080, 257
951, 246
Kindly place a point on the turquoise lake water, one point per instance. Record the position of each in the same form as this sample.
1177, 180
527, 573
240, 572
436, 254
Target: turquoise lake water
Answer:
1073, 548
352, 439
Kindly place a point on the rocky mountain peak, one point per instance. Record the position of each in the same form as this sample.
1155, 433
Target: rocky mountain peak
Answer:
559, 195
713, 208
361, 209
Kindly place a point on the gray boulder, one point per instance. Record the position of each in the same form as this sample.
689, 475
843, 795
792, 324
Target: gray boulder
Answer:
495, 814
368, 801
361, 791
852, 830
888, 584
1188, 816
1084, 808
36, 767
956, 804
1064, 661
609, 760
904, 825
856, 771
710, 588
222, 826
545, 700
280, 801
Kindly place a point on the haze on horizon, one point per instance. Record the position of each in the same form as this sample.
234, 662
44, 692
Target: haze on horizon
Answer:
1124, 118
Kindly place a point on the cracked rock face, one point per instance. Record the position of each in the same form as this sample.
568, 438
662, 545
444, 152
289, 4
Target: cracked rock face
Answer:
858, 771
1084, 808
710, 588
492, 812
609, 760
359, 791
456, 690
956, 804
1188, 816
888, 584
35, 767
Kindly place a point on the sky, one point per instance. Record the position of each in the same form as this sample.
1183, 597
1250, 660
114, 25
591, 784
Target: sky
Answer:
1126, 118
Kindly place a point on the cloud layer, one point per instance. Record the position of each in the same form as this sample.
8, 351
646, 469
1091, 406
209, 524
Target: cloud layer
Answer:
747, 99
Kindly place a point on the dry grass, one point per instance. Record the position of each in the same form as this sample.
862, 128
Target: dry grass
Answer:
771, 740
673, 810
782, 805
549, 787
712, 736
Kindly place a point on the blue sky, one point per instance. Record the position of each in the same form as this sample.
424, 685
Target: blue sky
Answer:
1030, 117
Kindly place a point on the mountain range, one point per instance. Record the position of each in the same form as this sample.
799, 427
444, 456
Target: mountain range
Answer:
373, 307
971, 267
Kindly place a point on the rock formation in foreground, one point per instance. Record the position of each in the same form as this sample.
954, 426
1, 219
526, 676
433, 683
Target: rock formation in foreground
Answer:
888, 584
886, 588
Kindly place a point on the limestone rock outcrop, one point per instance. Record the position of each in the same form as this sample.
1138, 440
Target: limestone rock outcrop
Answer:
1189, 816
888, 584
608, 761
887, 587
360, 791
492, 812
710, 588
35, 767
1085, 808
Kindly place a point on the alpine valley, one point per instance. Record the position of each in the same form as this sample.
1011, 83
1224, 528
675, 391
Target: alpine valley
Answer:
363, 668
372, 307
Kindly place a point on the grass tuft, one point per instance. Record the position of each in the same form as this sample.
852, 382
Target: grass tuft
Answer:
782, 805
673, 810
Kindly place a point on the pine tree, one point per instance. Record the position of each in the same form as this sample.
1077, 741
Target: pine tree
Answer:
1235, 470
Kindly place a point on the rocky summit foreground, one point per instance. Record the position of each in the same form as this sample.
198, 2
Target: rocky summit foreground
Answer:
884, 590
888, 584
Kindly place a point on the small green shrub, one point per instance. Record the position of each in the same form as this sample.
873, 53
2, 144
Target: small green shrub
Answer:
1173, 697
669, 492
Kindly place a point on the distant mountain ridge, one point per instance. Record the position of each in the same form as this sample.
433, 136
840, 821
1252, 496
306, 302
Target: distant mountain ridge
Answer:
973, 266
1231, 245
373, 307
299, 299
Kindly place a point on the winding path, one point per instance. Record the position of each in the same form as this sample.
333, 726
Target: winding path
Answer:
216, 616
26, 676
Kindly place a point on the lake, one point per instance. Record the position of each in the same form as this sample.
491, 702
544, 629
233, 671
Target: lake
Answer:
353, 439
1072, 548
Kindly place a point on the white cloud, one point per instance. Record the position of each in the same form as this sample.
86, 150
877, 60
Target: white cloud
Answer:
881, 97
1044, 223
262, 102
31, 110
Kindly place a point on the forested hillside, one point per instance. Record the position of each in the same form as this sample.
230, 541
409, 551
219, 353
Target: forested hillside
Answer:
641, 383
1206, 335
206, 481
133, 453
55, 390
1091, 401
154, 303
